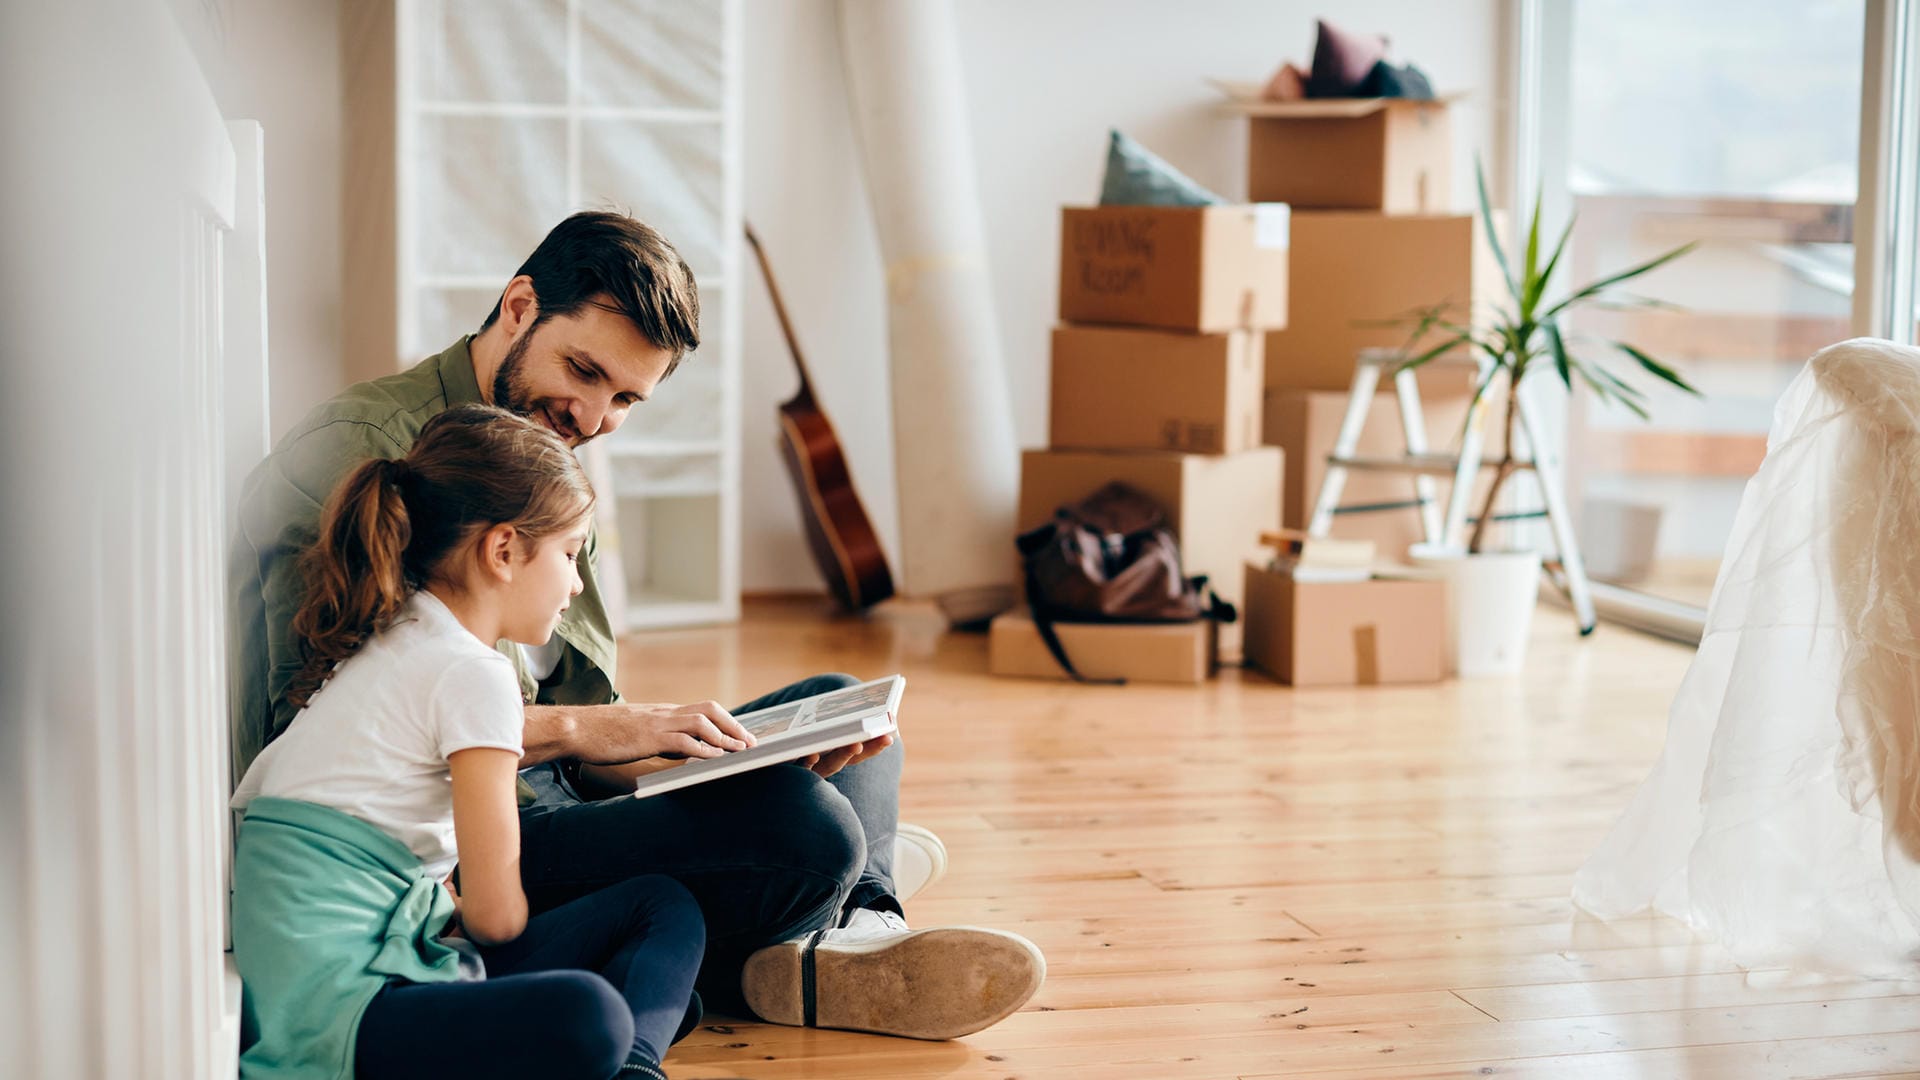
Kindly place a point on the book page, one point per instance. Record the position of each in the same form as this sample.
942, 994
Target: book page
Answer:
854, 699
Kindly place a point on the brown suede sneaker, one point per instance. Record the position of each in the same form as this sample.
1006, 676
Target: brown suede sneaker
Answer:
876, 974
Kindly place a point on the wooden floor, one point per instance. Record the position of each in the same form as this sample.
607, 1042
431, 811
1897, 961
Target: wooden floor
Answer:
1242, 880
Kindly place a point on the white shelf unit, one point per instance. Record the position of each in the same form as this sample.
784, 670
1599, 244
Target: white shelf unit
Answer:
512, 114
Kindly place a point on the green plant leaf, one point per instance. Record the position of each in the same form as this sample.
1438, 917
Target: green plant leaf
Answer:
1553, 263
1628, 394
1559, 348
1493, 235
1656, 367
1421, 318
1529, 276
1614, 279
1435, 351
1625, 302
1608, 393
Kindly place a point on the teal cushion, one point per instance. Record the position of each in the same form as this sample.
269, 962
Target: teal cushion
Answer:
1136, 176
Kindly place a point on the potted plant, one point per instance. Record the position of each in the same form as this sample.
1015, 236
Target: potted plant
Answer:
1492, 592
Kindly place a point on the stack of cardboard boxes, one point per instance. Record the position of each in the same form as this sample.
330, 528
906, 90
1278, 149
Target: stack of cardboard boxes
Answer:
1158, 375
1370, 183
1372, 245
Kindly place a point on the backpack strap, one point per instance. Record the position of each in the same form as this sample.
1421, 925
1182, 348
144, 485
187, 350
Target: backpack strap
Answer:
1220, 611
1043, 622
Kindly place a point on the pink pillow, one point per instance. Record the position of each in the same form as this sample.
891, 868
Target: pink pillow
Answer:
1341, 61
1287, 84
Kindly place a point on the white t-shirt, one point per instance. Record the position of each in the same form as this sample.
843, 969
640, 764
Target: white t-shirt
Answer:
374, 742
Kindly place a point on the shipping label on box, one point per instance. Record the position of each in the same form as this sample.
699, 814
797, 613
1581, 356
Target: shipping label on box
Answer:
1126, 388
1177, 267
1362, 633
1138, 652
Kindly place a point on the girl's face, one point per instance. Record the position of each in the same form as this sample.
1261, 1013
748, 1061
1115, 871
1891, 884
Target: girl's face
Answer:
544, 586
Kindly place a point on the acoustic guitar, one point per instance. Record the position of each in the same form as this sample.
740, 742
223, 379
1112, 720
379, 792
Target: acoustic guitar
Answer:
838, 530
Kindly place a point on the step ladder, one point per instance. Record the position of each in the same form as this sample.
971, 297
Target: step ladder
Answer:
1567, 571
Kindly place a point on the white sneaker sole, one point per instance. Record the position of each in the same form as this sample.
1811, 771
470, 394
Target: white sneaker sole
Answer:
926, 984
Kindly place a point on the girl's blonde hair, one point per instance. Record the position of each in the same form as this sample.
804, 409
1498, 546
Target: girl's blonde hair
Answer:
391, 524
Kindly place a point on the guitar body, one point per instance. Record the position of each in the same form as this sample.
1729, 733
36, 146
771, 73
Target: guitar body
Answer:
842, 538
838, 531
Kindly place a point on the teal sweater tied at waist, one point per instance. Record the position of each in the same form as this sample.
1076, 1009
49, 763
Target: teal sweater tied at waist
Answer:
326, 910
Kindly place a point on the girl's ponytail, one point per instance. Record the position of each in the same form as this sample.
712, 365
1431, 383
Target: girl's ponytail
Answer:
355, 573
391, 526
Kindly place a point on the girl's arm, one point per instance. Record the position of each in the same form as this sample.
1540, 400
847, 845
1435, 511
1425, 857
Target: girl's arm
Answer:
486, 827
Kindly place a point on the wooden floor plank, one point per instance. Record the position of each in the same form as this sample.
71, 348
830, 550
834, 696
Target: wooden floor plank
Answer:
1243, 880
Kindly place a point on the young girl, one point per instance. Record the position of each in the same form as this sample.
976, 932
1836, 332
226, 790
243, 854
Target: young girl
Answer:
358, 957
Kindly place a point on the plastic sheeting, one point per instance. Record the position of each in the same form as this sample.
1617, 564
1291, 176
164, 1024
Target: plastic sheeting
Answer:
957, 457
1783, 818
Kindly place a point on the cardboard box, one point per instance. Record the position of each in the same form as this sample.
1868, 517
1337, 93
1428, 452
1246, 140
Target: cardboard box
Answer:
1216, 505
1125, 388
1306, 423
1363, 633
1195, 268
1352, 269
1385, 155
1137, 652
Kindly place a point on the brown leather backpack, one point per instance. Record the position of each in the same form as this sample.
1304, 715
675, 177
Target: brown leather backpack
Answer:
1110, 558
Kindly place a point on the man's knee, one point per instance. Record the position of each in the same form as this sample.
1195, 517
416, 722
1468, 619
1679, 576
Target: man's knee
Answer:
814, 823
827, 683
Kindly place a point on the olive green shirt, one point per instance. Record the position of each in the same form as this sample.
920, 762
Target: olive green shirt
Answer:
280, 516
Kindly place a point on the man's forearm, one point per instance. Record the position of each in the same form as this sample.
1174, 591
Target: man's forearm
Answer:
551, 732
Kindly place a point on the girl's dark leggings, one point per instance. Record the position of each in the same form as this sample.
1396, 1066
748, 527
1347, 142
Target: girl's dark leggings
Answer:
589, 986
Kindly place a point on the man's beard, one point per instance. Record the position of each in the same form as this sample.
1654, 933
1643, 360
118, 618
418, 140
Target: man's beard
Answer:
511, 392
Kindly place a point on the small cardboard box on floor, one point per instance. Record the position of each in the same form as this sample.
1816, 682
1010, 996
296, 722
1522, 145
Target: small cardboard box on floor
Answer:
1361, 633
1138, 652
1217, 504
1193, 268
1306, 423
1358, 277
1392, 156
1127, 388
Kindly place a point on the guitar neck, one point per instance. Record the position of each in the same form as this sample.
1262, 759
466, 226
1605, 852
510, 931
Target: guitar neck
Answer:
780, 310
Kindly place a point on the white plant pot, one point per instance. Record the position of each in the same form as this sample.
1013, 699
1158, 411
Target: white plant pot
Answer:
1490, 600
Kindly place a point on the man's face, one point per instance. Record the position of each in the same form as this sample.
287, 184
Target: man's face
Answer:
579, 374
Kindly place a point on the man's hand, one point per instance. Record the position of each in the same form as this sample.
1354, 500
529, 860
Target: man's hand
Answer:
834, 760
621, 733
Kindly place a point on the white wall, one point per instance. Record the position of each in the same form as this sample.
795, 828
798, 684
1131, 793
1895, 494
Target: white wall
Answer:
279, 63
1044, 83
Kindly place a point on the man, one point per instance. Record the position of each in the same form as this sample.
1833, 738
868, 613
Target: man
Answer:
793, 864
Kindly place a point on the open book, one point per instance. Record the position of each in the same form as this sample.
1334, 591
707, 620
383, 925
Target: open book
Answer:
788, 732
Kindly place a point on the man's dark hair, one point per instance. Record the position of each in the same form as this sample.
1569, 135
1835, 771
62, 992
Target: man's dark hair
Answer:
598, 253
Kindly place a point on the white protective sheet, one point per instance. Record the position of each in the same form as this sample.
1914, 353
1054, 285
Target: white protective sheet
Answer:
1781, 819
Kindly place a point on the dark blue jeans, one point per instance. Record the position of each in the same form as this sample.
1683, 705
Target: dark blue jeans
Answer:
769, 854
584, 987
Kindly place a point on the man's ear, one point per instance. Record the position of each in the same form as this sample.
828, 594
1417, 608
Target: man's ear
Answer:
519, 307
496, 552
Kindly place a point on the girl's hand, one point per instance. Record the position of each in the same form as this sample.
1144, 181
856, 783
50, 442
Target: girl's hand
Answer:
452, 929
